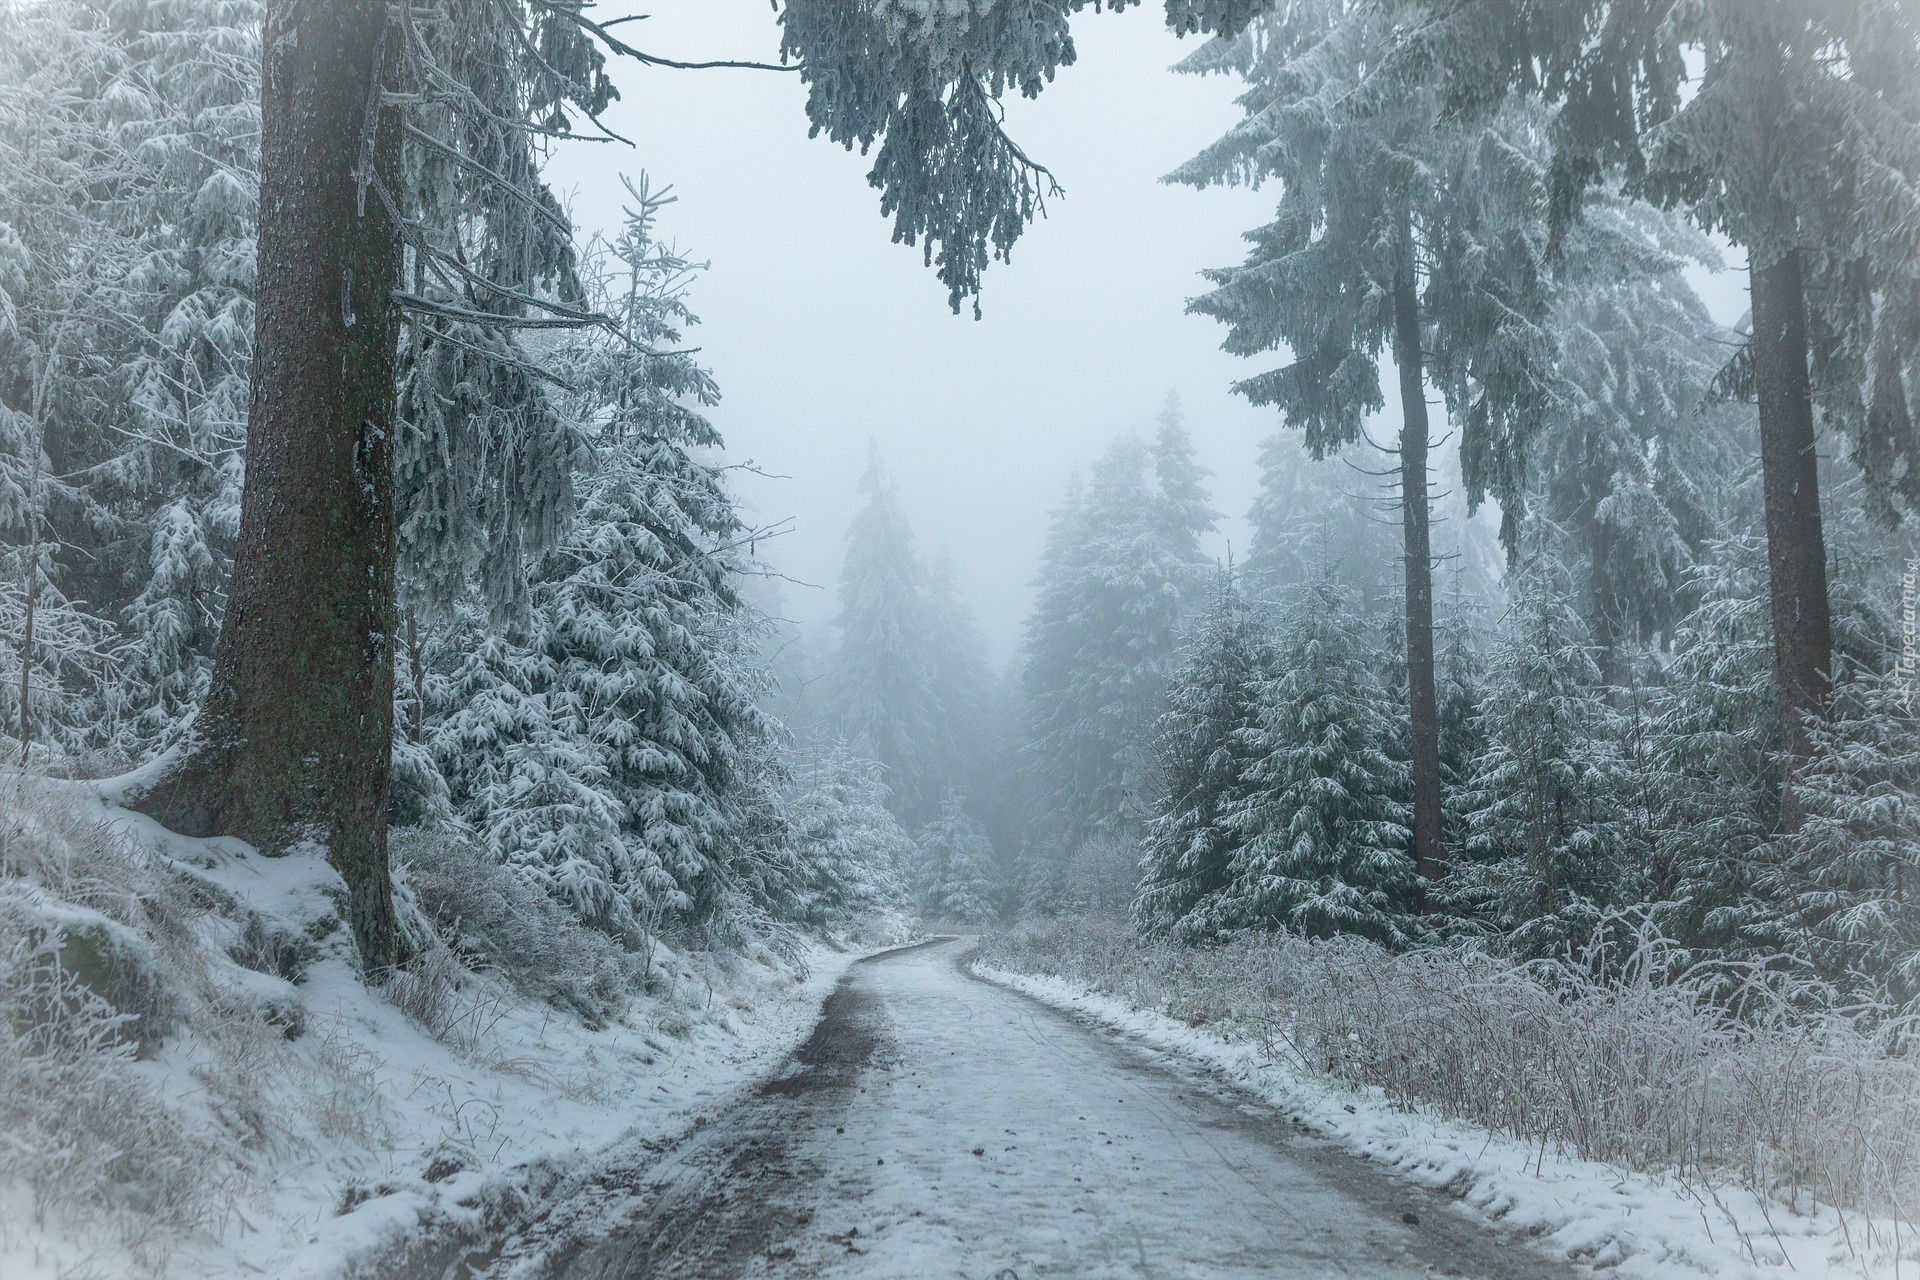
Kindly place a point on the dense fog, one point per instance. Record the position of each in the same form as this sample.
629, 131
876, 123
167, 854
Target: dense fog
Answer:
891, 637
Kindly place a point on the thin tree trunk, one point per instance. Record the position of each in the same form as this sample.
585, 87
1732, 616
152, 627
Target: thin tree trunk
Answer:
1796, 544
35, 520
417, 675
295, 737
1606, 630
26, 646
1422, 700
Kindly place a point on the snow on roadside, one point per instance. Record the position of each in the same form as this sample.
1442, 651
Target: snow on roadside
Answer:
1631, 1224
329, 1148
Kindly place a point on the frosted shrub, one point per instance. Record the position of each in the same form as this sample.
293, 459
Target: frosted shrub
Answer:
95, 957
1642, 1068
85, 1133
494, 919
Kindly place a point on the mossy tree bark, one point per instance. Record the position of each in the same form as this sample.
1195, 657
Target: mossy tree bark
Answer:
294, 738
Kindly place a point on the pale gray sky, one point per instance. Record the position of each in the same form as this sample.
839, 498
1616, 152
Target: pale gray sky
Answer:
824, 334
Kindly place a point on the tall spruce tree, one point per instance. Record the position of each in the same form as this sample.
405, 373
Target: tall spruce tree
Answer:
1402, 225
1801, 144
294, 736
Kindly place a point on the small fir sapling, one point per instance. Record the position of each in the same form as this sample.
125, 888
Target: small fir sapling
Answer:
1322, 816
1203, 747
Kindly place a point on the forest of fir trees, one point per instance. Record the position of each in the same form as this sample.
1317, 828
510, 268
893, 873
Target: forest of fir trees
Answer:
1570, 642
1564, 603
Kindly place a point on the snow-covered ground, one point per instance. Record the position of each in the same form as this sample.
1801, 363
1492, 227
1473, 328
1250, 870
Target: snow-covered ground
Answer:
325, 1150
1633, 1224
293, 1122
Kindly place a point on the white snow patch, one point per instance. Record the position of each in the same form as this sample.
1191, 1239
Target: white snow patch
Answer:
327, 1150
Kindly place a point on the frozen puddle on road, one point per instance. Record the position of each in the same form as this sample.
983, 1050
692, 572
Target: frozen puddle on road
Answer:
936, 1125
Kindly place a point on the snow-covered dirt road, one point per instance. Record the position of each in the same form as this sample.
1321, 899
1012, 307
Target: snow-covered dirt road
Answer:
939, 1126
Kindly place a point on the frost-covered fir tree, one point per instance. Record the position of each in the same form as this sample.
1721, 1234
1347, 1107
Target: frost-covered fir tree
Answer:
1043, 885
1462, 685
853, 856
1322, 818
1120, 574
1715, 748
1824, 194
124, 351
883, 669
1204, 744
1637, 467
953, 868
1849, 878
1797, 144
607, 744
1183, 514
485, 456
1844, 882
1549, 841
197, 65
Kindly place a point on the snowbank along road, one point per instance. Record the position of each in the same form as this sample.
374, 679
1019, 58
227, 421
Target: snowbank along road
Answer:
936, 1125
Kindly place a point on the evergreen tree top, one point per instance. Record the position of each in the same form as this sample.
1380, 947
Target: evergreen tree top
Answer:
1382, 188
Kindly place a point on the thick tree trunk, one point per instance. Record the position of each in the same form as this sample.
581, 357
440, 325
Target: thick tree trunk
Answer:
294, 739
1422, 701
1796, 544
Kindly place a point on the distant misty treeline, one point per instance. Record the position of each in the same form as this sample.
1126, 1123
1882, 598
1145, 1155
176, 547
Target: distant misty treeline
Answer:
1212, 748
1027, 787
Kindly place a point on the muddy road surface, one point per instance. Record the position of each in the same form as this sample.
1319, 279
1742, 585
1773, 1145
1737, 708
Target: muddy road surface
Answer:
936, 1125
